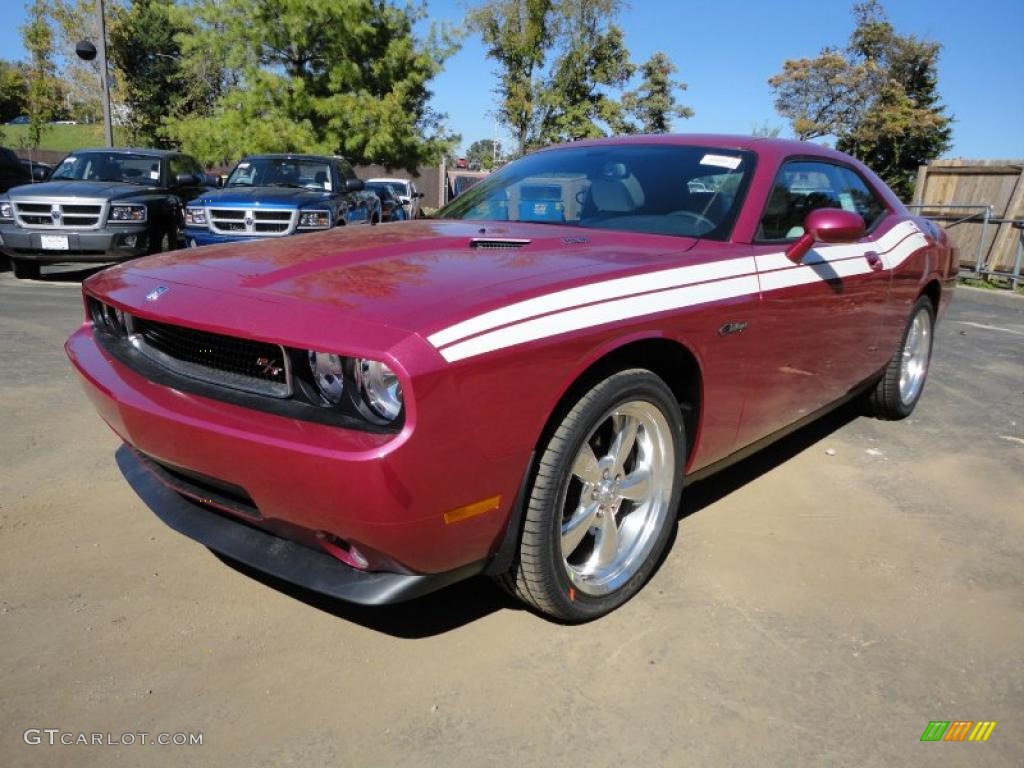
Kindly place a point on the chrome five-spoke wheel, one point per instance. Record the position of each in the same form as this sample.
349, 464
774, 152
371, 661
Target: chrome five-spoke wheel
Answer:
916, 353
899, 388
618, 497
603, 498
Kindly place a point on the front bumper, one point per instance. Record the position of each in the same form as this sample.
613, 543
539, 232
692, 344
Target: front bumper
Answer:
384, 494
198, 236
99, 245
274, 555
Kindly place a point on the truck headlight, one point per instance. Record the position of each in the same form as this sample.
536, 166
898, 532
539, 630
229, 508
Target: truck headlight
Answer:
195, 216
127, 212
314, 219
379, 387
6, 210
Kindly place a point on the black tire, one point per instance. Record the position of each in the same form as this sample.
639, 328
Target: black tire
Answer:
540, 574
160, 240
887, 400
25, 270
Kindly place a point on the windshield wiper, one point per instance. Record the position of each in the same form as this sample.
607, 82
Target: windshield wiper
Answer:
285, 184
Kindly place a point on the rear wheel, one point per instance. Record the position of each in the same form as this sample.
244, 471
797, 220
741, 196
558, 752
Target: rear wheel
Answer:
896, 394
25, 270
603, 500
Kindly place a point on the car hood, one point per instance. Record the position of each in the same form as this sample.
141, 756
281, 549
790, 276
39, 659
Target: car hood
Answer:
256, 196
107, 190
417, 276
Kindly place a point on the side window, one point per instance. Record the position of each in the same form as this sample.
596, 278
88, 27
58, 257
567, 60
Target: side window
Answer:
345, 170
179, 164
800, 187
858, 197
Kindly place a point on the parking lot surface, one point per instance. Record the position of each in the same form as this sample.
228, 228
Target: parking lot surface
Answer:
821, 603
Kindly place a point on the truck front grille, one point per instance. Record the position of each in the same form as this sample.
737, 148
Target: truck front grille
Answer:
52, 215
257, 221
243, 364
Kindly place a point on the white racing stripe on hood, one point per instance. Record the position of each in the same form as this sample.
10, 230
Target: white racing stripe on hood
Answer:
638, 295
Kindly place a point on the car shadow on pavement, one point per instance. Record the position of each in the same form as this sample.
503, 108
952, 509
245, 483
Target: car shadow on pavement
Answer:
467, 601
427, 616
707, 491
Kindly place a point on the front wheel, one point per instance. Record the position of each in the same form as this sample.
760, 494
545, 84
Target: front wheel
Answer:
896, 394
603, 499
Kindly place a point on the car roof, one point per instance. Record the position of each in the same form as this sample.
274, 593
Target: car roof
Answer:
390, 180
290, 156
130, 151
761, 145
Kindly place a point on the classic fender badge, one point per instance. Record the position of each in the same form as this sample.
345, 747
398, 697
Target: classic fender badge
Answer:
737, 327
156, 293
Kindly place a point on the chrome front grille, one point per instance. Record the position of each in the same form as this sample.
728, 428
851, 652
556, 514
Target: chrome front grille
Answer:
261, 222
55, 215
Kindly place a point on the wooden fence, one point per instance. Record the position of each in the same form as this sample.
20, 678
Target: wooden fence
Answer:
980, 183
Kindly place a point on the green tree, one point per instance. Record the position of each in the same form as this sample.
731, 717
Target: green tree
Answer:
13, 90
485, 152
592, 60
75, 20
654, 103
43, 90
517, 34
879, 98
158, 81
345, 76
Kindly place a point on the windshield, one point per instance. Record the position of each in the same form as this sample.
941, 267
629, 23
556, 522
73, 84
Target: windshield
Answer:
656, 189
110, 166
282, 172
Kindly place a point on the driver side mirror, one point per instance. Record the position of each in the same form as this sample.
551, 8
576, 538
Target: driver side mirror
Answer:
353, 185
826, 225
186, 180
40, 173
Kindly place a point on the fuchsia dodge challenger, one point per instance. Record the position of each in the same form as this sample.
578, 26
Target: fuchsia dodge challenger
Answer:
522, 385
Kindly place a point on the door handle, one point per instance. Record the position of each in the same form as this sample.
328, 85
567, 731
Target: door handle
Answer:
874, 261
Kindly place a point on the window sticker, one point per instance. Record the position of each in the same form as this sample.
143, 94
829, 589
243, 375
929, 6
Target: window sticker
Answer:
846, 201
327, 185
722, 161
243, 166
154, 175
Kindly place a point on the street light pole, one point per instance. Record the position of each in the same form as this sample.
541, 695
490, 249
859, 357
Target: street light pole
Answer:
108, 127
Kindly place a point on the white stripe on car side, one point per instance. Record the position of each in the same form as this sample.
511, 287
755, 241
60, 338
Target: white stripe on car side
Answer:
589, 294
640, 295
597, 314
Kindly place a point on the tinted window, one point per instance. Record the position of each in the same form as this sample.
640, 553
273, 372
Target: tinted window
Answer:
109, 166
858, 196
345, 170
657, 189
803, 186
309, 173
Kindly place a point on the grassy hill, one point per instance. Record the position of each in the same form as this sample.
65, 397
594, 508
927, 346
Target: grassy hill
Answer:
58, 138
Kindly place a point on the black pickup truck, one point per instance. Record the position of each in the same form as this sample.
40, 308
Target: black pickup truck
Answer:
100, 205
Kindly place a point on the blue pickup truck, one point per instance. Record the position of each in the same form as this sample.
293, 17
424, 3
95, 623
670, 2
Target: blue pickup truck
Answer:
278, 195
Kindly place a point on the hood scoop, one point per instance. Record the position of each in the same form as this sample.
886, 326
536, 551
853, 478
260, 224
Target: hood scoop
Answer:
498, 242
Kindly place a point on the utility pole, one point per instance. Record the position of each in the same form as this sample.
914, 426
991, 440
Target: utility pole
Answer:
108, 126
86, 51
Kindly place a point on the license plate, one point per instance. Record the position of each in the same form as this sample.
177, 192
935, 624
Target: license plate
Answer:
54, 242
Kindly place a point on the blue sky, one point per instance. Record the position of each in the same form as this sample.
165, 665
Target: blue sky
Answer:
726, 51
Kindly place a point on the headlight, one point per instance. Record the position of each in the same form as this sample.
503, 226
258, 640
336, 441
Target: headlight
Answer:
327, 375
314, 219
195, 216
379, 387
6, 210
126, 212
107, 318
